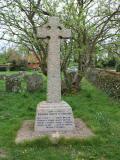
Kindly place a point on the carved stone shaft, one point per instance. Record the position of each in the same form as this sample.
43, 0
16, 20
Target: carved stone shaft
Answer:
55, 31
54, 77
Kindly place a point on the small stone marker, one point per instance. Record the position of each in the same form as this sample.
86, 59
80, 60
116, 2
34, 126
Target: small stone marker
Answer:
54, 115
34, 82
13, 83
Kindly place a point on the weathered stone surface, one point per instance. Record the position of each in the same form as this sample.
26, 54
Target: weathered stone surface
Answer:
22, 74
55, 31
34, 82
54, 117
3, 77
13, 84
27, 133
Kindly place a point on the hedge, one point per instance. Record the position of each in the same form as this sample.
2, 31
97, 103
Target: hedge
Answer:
3, 68
108, 81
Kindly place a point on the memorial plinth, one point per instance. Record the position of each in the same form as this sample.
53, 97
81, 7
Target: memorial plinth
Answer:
54, 117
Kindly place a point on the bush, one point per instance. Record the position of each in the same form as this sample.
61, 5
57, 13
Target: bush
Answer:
111, 63
118, 67
21, 65
3, 68
106, 63
106, 80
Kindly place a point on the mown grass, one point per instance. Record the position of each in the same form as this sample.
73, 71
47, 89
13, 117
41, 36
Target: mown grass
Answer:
100, 113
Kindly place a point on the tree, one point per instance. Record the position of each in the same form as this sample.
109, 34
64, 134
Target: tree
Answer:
3, 58
19, 20
93, 23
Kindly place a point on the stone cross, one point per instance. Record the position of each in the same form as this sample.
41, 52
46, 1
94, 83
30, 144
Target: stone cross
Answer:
55, 32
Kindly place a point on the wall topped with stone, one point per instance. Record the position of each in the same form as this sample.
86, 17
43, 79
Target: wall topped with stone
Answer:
19, 74
108, 81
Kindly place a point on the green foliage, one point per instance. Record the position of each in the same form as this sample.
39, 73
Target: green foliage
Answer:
99, 112
3, 58
108, 81
111, 63
22, 65
91, 23
118, 67
106, 63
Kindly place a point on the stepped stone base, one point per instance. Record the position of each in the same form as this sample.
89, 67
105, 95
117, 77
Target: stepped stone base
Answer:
27, 133
54, 120
54, 117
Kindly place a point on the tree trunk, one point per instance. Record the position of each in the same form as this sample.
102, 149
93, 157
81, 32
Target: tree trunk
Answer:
43, 67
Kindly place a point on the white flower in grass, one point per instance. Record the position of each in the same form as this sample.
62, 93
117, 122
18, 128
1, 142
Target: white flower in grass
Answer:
54, 138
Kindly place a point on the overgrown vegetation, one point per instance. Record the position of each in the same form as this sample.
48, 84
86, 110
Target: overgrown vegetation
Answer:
118, 67
108, 81
99, 112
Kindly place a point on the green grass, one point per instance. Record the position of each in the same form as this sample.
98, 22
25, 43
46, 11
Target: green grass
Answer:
8, 72
100, 113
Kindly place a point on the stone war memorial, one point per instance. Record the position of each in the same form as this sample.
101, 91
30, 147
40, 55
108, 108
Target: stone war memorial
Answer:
53, 116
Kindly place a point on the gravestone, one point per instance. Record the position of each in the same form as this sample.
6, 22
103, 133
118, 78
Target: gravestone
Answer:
13, 84
54, 115
22, 74
3, 77
34, 82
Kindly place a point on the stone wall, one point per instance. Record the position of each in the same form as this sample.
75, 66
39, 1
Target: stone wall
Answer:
108, 81
19, 74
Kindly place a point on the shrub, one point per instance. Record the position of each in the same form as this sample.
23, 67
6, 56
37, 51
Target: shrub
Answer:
21, 65
3, 68
108, 81
111, 63
118, 67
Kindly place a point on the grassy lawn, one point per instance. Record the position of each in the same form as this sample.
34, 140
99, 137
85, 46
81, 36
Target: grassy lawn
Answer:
8, 72
100, 113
